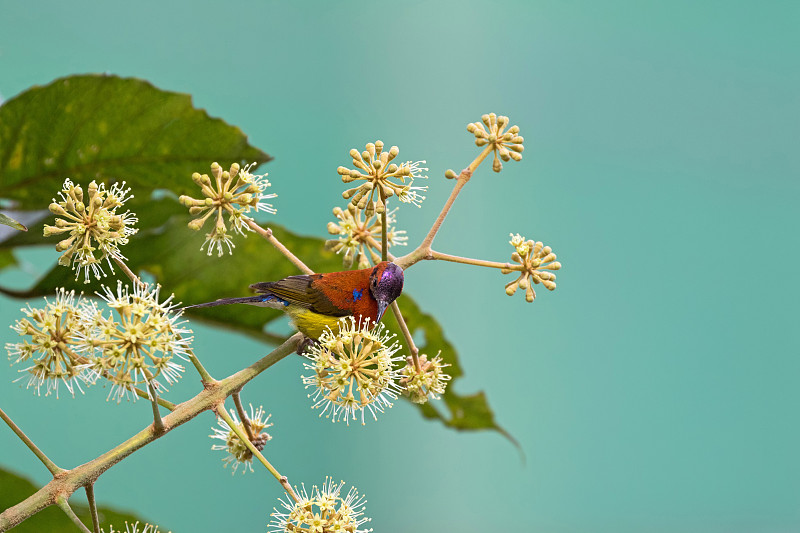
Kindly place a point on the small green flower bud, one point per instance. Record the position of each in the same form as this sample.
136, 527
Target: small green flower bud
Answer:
530, 294
80, 207
342, 171
392, 168
515, 156
450, 174
57, 209
511, 288
194, 211
63, 245
197, 179
208, 202
497, 166
196, 224
234, 170
481, 142
334, 228
393, 151
354, 154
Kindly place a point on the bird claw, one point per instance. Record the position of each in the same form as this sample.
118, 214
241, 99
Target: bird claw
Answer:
305, 345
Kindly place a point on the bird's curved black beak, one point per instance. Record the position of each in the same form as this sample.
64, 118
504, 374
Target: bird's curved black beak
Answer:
382, 306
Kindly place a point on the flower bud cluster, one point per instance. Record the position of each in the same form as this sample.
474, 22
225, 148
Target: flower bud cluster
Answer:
536, 260
92, 228
231, 192
324, 511
353, 370
374, 166
426, 383
238, 452
359, 236
505, 144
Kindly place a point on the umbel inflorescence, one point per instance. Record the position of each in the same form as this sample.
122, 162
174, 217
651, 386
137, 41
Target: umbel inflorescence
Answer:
238, 453
234, 193
359, 236
353, 371
382, 178
92, 229
325, 510
74, 340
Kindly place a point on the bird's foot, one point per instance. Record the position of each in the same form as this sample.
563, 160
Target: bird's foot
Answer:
305, 345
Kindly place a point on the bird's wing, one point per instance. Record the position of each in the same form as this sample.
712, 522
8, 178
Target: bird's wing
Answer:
298, 290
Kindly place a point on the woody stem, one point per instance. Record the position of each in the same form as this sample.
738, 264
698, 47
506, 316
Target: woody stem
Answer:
257, 454
384, 230
51, 466
477, 262
423, 250
92, 507
237, 401
267, 234
407, 334
128, 272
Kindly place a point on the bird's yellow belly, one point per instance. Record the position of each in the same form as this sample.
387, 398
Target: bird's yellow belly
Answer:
312, 324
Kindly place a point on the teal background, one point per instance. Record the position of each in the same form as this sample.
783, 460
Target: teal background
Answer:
655, 390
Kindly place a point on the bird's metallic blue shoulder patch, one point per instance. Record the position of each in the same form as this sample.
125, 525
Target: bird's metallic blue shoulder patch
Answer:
269, 297
357, 294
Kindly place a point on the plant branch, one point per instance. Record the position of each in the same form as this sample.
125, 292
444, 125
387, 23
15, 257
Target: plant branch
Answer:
384, 229
424, 248
267, 234
93, 507
250, 446
158, 424
128, 272
51, 466
477, 262
407, 334
237, 401
67, 482
62, 502
204, 375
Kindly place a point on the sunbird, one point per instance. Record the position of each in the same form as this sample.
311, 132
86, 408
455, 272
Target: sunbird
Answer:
315, 302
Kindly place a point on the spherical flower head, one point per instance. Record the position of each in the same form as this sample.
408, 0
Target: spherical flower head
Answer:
237, 452
359, 236
536, 260
231, 192
135, 528
49, 349
427, 382
353, 370
92, 228
374, 167
325, 510
136, 342
505, 144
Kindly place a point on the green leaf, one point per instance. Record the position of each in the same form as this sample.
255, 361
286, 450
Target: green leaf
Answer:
109, 128
7, 259
171, 253
53, 520
8, 221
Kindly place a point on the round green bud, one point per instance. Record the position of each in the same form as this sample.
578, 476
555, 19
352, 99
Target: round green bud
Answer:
450, 174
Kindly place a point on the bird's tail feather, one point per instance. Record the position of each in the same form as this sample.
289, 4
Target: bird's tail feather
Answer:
226, 301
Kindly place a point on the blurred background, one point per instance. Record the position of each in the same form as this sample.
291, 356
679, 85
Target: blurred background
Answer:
656, 389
